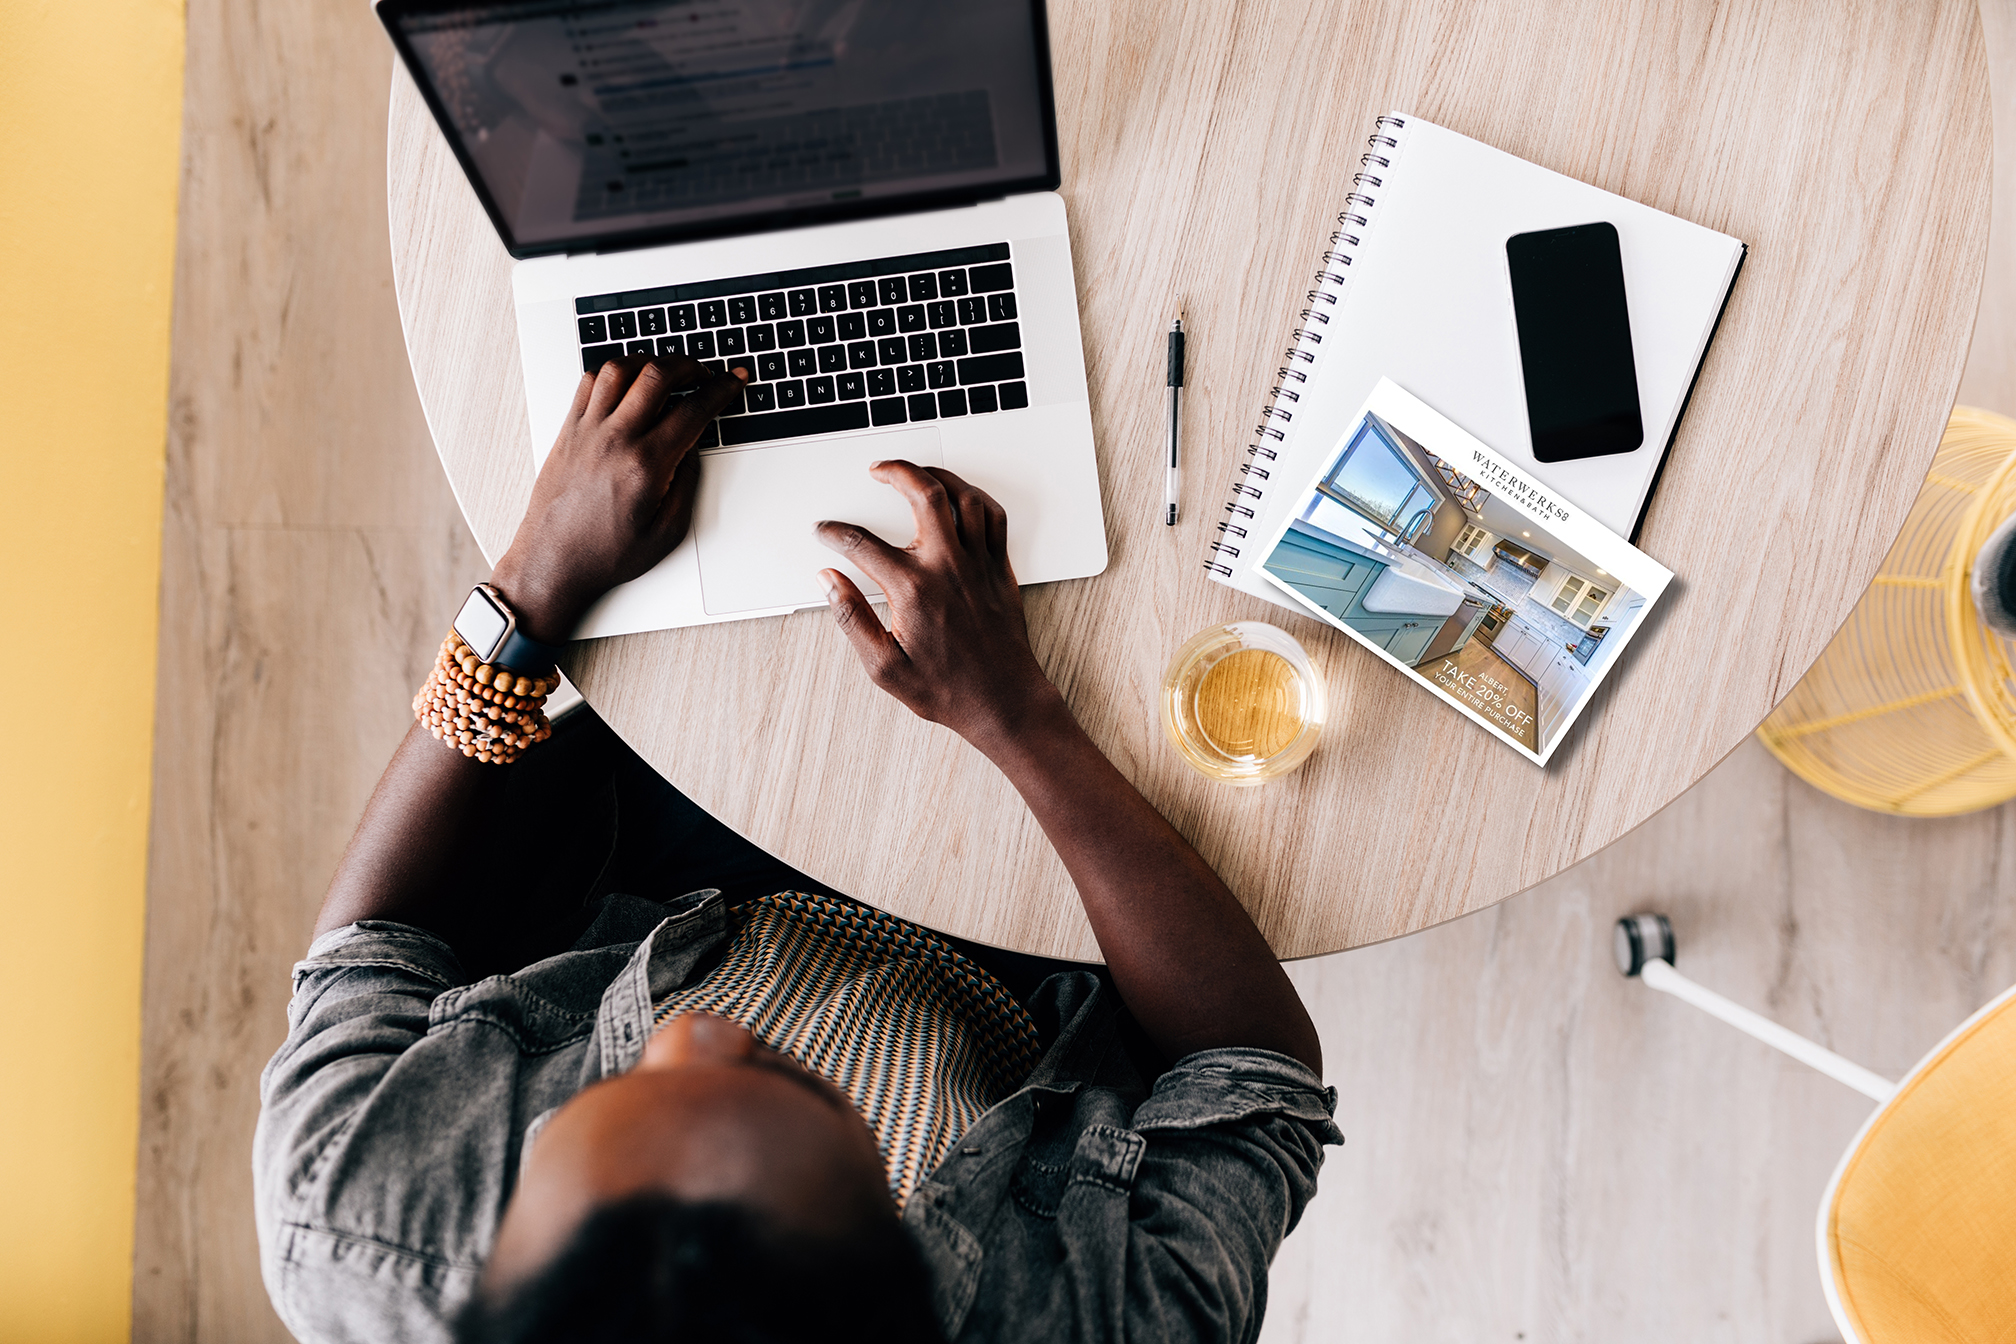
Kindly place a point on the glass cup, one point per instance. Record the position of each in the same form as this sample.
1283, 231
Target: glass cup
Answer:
1242, 703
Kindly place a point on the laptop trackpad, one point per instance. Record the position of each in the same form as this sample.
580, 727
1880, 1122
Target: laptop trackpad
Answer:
753, 521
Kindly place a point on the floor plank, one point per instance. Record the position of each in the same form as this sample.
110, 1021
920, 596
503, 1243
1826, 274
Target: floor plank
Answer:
1535, 1145
311, 549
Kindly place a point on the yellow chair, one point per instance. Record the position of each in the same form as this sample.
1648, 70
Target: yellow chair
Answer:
1917, 1228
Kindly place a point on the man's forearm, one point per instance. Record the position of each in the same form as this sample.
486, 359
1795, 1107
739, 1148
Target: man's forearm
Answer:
1186, 957
402, 862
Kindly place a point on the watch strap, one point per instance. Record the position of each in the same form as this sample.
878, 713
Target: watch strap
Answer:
522, 653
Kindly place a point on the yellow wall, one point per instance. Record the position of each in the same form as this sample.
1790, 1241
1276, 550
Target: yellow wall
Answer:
90, 133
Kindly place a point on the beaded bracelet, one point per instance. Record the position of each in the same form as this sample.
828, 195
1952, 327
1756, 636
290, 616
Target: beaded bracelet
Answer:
484, 711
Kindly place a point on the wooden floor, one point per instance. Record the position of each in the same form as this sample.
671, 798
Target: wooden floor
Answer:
1503, 685
1537, 1149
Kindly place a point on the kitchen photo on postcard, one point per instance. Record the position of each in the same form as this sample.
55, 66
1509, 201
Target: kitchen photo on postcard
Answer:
1462, 570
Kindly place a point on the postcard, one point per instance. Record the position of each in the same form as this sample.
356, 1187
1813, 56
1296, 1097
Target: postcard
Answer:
1463, 571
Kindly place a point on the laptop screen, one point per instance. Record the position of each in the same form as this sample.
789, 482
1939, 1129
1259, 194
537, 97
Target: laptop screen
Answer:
586, 125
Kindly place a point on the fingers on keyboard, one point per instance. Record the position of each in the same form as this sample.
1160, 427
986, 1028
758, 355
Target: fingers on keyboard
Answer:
925, 344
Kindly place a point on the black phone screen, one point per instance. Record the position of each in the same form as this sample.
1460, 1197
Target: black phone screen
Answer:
1575, 342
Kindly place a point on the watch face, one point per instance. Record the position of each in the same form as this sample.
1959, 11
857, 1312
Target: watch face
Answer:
480, 624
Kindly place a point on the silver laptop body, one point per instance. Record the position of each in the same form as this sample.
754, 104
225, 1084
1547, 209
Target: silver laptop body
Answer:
856, 204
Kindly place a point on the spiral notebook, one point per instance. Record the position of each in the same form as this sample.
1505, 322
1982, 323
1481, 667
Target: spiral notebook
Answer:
1413, 287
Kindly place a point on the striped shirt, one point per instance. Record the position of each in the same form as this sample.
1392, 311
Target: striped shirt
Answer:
921, 1039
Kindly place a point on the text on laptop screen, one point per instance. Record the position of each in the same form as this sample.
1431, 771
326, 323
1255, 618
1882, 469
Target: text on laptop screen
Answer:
591, 122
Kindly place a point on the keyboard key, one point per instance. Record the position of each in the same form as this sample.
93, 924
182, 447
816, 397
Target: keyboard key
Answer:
763, 397
952, 343
682, 317
651, 321
861, 294
889, 412
943, 313
853, 326
742, 311
951, 284
745, 363
924, 406
984, 278
832, 298
790, 333
819, 391
910, 378
595, 356
854, 386
729, 340
594, 330
892, 349
802, 363
671, 345
832, 358
882, 322
952, 403
972, 310
881, 382
861, 355
734, 406
622, 326
923, 288
1014, 396
643, 348
981, 399
942, 374
1001, 307
710, 437
992, 369
804, 302
795, 424
714, 365
1001, 336
769, 367
771, 306
700, 345
762, 336
910, 317
923, 346
713, 313
820, 329
790, 394
893, 290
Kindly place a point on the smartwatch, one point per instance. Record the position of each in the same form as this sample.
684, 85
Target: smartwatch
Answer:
489, 627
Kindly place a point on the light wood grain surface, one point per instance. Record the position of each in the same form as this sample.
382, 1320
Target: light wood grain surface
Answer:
1202, 155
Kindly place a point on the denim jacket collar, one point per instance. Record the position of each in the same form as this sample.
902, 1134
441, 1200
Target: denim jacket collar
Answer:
663, 961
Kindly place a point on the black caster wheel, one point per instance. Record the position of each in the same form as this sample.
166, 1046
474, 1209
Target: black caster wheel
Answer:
1638, 939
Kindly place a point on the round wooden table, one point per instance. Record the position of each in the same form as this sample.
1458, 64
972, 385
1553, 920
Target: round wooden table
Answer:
1849, 146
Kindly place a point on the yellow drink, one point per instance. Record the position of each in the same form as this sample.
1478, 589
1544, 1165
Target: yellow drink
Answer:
1242, 703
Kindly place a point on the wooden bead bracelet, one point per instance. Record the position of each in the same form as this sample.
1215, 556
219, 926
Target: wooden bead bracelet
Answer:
490, 713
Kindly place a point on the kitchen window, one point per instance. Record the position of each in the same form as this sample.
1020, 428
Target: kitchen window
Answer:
1580, 600
1374, 477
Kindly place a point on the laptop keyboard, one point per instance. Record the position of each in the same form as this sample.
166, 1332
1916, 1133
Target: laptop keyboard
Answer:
857, 345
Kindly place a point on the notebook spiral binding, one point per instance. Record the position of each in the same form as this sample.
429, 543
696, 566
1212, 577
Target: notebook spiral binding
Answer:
1334, 270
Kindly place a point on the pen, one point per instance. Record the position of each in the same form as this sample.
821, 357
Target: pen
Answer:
1175, 477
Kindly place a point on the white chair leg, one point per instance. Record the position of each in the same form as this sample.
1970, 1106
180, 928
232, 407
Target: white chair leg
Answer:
1644, 947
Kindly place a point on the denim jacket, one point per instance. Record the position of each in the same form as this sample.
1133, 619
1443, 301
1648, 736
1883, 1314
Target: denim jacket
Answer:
1104, 1200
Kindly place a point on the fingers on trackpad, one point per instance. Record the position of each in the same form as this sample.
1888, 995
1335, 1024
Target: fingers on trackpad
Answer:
757, 507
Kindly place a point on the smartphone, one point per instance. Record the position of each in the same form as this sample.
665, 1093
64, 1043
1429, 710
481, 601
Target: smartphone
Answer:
1575, 342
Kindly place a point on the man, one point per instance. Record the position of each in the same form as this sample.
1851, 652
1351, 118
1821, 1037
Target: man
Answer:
775, 1116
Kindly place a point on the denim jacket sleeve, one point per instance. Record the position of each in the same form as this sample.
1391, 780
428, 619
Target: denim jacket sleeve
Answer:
362, 999
1150, 1218
1230, 1143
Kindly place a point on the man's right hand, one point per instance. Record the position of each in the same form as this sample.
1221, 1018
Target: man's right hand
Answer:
956, 650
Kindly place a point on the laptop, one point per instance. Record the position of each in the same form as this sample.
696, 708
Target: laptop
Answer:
854, 200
